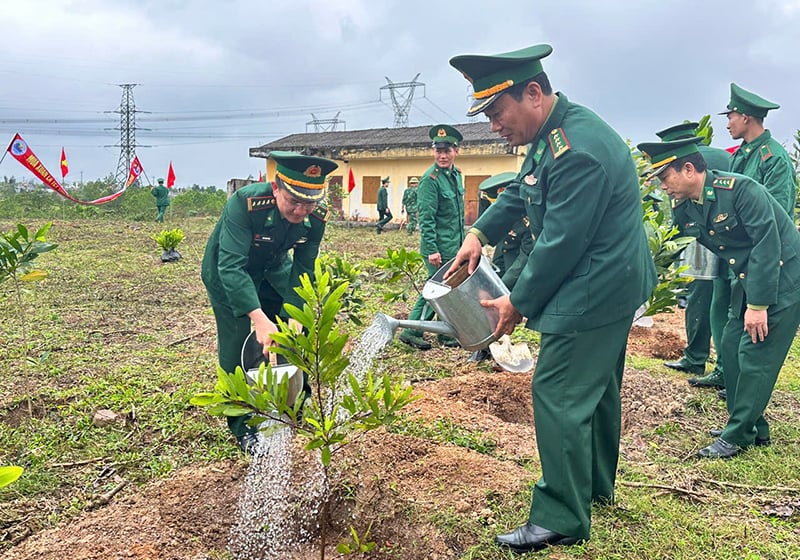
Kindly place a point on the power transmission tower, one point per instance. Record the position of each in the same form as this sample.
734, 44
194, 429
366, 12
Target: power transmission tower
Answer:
402, 93
127, 133
326, 125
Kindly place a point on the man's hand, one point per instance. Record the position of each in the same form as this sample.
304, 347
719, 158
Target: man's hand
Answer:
435, 259
508, 316
264, 329
470, 252
755, 323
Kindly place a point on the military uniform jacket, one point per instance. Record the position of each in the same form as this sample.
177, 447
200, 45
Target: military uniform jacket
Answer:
383, 198
440, 203
590, 264
766, 161
741, 223
251, 244
162, 195
409, 201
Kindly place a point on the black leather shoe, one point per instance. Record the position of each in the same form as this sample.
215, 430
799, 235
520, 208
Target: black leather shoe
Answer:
760, 442
720, 449
415, 341
531, 537
684, 366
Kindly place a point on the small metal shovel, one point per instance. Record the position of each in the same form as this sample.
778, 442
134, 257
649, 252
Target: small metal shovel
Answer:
515, 358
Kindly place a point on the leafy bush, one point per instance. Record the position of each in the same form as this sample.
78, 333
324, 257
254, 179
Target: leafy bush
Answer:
169, 239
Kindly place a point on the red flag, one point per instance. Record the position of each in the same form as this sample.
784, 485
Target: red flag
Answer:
136, 170
64, 166
260, 177
23, 154
170, 176
732, 149
351, 182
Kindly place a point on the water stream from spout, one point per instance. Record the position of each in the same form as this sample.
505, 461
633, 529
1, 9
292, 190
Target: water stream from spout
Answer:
269, 524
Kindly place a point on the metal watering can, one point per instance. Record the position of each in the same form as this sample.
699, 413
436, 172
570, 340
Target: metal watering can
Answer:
457, 303
253, 356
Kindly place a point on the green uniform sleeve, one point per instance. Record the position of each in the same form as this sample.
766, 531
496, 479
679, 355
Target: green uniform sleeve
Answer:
428, 206
779, 179
763, 264
235, 238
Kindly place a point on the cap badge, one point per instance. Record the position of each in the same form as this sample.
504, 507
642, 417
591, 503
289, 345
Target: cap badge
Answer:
441, 132
313, 171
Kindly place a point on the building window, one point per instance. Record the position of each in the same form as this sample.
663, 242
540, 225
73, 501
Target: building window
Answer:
369, 189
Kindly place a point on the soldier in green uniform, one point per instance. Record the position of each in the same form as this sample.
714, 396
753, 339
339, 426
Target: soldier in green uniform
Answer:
247, 268
760, 156
409, 203
702, 320
737, 219
384, 214
440, 203
589, 270
162, 199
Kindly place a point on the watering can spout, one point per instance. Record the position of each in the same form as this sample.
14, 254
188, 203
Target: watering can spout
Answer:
392, 324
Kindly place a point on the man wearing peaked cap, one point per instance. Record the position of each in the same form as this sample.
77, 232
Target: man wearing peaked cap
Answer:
440, 203
590, 269
759, 156
247, 270
737, 219
707, 300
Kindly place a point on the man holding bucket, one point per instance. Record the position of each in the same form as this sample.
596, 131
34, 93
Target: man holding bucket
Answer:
247, 269
588, 272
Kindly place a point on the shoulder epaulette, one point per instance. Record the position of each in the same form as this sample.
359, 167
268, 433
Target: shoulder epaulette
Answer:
766, 153
558, 142
723, 183
321, 213
255, 203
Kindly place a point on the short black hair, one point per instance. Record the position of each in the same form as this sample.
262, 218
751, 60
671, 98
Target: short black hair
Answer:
697, 160
541, 78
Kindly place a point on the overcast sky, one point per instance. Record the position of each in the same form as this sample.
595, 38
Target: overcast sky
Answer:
216, 78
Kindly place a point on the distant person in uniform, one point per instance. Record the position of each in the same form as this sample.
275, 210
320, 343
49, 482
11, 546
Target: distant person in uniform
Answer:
737, 219
409, 203
162, 199
706, 312
590, 269
384, 214
440, 203
267, 237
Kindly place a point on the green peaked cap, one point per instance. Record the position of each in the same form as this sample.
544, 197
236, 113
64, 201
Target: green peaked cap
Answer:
677, 132
661, 154
444, 135
748, 103
494, 183
491, 75
304, 176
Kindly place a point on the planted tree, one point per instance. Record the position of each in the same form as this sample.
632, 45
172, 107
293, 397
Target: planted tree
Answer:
401, 271
168, 240
343, 403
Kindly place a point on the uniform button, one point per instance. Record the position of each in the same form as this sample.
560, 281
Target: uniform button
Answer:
722, 247
732, 261
741, 275
780, 262
711, 232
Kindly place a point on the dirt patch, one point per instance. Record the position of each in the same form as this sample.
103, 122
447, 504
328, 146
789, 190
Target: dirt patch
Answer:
383, 476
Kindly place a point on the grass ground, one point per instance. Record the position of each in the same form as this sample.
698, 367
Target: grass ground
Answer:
114, 328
